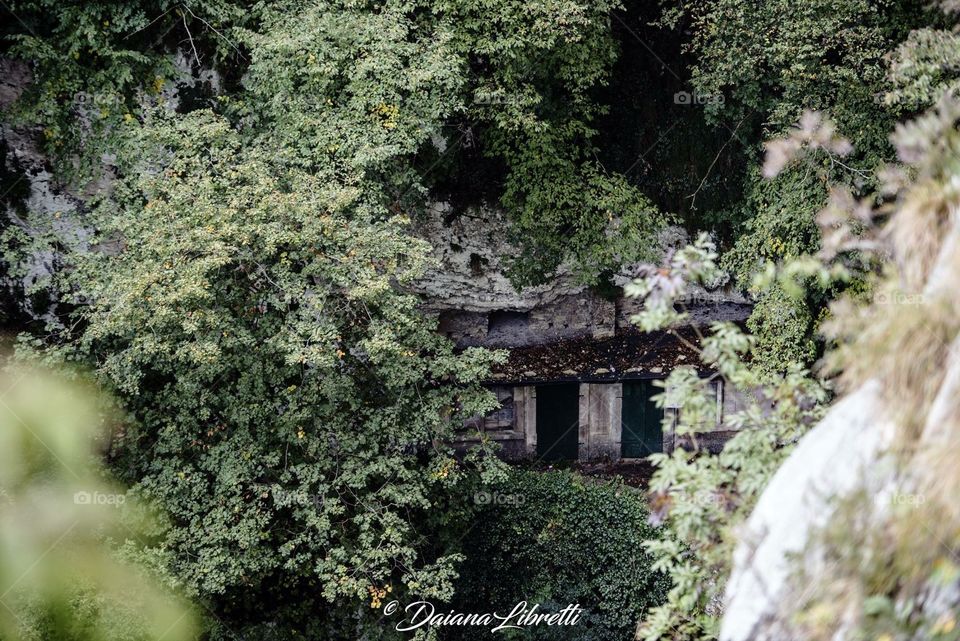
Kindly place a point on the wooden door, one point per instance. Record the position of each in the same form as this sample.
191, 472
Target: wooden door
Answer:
558, 421
642, 433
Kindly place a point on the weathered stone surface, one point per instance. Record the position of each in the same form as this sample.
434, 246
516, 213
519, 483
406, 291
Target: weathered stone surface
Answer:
838, 456
48, 197
470, 248
477, 304
40, 192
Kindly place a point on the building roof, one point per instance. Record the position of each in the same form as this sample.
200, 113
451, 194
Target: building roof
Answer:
633, 355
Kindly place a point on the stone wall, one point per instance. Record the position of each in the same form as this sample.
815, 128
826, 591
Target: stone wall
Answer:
477, 305
563, 318
470, 249
702, 308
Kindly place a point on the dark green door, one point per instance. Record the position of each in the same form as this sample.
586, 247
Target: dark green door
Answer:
642, 428
558, 421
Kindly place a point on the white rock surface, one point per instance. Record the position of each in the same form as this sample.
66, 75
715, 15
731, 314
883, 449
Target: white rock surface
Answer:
470, 248
838, 456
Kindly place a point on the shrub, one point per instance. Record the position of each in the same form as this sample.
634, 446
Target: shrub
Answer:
557, 538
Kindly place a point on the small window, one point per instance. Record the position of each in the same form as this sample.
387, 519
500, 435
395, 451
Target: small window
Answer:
714, 390
501, 418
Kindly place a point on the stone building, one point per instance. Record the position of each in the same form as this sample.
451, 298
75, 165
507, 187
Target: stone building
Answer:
579, 378
591, 400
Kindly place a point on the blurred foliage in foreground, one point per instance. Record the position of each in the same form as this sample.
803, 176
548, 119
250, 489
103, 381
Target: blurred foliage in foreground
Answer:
67, 537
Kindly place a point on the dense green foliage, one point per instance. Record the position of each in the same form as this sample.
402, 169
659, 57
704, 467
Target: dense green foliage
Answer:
770, 61
238, 271
504, 104
564, 204
286, 392
242, 284
699, 496
876, 567
557, 538
431, 77
93, 65
774, 58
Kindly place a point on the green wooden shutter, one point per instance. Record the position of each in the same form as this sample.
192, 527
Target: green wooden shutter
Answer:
642, 426
558, 421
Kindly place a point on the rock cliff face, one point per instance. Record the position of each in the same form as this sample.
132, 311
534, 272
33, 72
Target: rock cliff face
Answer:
839, 456
848, 454
28, 186
472, 248
23, 159
477, 305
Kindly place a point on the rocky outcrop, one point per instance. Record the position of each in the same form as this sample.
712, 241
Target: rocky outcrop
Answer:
478, 305
23, 158
468, 290
840, 455
472, 249
29, 186
33, 195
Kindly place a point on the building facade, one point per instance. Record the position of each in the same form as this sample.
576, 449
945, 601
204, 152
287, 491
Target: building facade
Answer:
580, 377
594, 413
